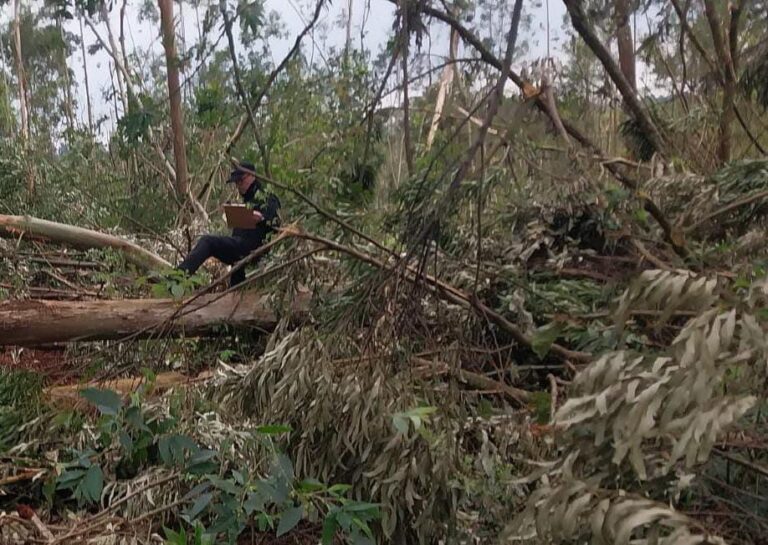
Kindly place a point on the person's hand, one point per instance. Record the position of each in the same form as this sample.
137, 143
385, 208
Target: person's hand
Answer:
258, 216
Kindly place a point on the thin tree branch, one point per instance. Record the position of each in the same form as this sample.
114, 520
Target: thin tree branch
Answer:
273, 75
581, 24
672, 236
241, 91
738, 203
694, 40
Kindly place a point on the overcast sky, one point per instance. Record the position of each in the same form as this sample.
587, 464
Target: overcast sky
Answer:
294, 14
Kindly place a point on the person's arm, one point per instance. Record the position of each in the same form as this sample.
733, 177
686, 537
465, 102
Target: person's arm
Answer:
270, 211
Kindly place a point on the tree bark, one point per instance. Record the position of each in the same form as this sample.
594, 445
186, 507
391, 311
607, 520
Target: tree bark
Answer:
29, 323
79, 238
174, 97
405, 38
724, 49
624, 39
348, 40
23, 97
69, 109
20, 74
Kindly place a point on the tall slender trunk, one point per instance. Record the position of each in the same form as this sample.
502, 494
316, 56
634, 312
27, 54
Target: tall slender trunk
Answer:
6, 96
23, 107
625, 43
725, 48
405, 37
182, 48
115, 93
121, 68
85, 74
23, 102
348, 42
174, 97
68, 102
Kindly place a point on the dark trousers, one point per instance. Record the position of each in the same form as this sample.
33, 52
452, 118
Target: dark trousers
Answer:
228, 250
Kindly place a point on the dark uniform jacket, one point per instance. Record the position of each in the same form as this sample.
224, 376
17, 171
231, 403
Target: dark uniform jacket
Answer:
269, 206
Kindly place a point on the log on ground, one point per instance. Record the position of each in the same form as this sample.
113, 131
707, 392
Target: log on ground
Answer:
79, 237
29, 323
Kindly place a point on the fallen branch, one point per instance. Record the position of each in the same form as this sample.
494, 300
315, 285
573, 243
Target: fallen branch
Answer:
27, 475
584, 273
79, 238
742, 462
69, 395
450, 293
429, 368
738, 203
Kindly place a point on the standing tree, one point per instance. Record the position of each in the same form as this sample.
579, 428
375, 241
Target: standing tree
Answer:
174, 97
624, 40
85, 75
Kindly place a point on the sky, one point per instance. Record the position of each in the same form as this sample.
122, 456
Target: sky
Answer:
294, 14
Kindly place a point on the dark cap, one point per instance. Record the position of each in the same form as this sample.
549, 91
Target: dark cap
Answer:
240, 170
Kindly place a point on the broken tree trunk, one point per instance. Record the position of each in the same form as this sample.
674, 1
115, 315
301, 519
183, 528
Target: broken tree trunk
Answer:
29, 323
80, 238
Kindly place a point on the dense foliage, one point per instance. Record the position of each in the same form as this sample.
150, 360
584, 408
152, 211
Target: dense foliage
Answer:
535, 293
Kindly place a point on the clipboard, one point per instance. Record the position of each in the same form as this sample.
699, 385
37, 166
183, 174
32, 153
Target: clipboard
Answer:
239, 216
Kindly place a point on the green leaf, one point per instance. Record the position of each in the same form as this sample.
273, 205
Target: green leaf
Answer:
289, 519
68, 478
202, 455
134, 417
200, 504
254, 502
177, 290
106, 401
159, 291
361, 506
225, 485
401, 423
264, 521
421, 412
273, 429
126, 441
93, 483
544, 337
311, 485
283, 467
172, 448
201, 462
202, 538
329, 530
175, 538
360, 523
338, 489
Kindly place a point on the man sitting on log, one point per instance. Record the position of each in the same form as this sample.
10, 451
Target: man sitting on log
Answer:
231, 249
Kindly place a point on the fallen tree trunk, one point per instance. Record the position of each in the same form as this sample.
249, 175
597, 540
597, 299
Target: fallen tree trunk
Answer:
29, 323
79, 238
68, 396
